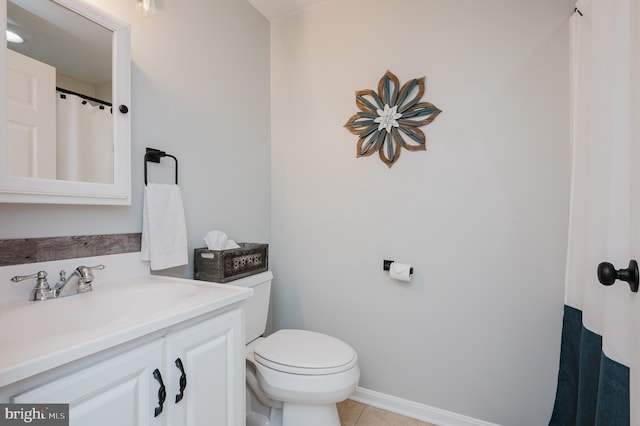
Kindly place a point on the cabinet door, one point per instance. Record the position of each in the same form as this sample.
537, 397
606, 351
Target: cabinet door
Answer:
212, 356
120, 391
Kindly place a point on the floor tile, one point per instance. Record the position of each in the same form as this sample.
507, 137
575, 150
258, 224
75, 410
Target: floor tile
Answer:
372, 416
349, 412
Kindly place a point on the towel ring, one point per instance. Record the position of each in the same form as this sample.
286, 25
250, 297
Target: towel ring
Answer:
154, 155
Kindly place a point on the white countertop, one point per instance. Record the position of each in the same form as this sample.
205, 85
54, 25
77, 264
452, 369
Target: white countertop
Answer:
38, 336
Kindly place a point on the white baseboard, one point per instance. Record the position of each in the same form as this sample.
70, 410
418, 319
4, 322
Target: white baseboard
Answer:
415, 410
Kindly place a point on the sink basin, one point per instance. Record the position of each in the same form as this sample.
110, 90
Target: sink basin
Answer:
37, 336
102, 308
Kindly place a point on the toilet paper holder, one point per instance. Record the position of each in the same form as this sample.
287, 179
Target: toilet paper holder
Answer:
386, 265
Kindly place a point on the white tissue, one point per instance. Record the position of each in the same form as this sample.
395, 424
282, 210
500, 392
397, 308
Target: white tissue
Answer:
231, 245
218, 240
400, 271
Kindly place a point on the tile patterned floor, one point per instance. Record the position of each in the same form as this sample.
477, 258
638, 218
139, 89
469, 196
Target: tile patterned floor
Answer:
357, 414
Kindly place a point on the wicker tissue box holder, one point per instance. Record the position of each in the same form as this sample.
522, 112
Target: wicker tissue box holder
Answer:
222, 266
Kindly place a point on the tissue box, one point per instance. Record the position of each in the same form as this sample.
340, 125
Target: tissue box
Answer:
222, 266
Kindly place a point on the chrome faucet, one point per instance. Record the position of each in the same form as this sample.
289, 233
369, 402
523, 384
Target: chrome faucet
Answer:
85, 278
42, 291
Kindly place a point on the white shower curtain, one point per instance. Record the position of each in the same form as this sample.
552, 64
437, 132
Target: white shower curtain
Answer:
599, 367
84, 141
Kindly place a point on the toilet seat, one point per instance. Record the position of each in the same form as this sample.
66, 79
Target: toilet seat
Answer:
305, 352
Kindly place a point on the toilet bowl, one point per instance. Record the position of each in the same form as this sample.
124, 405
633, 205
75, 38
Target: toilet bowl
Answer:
294, 377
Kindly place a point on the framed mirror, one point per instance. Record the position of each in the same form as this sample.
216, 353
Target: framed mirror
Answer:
65, 100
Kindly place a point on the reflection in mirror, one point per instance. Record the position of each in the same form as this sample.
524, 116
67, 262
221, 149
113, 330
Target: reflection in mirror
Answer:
64, 66
64, 143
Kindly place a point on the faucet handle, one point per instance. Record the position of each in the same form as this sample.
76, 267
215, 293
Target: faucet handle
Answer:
86, 277
41, 291
86, 271
40, 275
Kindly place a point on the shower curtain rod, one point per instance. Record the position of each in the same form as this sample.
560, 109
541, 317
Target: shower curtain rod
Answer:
89, 98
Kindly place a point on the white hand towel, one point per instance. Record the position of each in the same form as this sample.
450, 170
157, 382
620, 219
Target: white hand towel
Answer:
164, 230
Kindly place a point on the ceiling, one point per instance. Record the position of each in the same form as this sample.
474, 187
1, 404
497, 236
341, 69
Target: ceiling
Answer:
74, 45
274, 9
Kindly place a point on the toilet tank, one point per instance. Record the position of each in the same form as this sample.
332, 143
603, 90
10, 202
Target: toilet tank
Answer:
257, 306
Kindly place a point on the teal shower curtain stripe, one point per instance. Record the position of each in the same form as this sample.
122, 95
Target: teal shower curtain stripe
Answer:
593, 390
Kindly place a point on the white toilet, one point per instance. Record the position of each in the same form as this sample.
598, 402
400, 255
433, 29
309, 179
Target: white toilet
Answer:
294, 377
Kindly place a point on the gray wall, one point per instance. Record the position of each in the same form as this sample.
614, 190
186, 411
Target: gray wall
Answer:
200, 91
481, 215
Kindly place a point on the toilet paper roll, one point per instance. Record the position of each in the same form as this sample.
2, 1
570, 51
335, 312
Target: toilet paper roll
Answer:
400, 271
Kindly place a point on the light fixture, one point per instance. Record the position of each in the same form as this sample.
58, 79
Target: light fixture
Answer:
147, 7
13, 37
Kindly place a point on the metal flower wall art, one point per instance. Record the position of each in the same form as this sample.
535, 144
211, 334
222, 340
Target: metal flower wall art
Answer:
390, 119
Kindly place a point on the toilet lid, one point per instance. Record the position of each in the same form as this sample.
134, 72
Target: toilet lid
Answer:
305, 352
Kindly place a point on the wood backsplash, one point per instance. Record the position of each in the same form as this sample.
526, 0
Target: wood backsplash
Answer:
32, 250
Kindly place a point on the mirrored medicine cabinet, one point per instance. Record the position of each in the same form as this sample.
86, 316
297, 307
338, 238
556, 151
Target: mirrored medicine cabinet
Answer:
64, 99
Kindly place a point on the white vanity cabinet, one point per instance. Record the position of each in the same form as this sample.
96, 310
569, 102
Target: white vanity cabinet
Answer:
123, 389
212, 355
119, 391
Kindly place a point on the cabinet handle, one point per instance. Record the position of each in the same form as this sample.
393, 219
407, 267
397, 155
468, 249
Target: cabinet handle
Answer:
183, 380
162, 393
